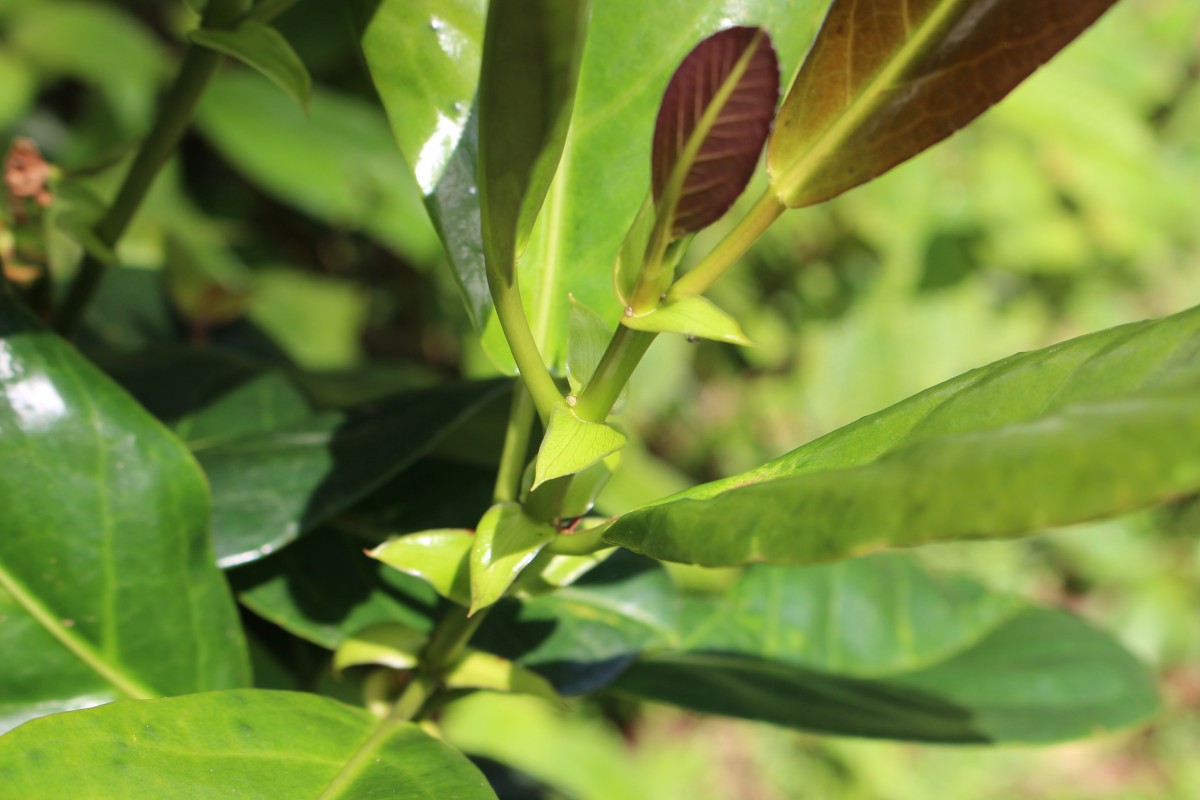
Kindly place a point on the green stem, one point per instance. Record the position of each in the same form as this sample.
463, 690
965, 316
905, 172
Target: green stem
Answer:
416, 694
732, 247
174, 115
516, 445
455, 629
510, 312
445, 647
449, 639
624, 351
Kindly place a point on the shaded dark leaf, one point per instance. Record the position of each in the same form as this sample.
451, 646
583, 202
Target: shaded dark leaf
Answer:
324, 588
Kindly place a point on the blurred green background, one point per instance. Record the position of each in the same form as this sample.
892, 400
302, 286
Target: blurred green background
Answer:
1073, 206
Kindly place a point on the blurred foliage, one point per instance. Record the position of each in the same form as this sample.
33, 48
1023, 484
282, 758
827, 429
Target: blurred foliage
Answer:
1074, 205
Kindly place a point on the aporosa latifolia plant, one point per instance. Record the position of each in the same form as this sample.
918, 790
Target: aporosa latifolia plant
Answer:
124, 669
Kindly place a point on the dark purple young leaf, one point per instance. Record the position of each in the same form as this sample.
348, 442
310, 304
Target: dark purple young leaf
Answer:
731, 141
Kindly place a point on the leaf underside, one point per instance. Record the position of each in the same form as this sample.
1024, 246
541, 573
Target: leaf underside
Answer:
1094, 427
887, 79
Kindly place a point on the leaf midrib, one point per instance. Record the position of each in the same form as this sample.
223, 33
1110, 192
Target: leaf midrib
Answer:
81, 649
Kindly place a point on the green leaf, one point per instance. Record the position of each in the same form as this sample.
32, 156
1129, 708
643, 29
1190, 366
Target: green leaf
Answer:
478, 670
531, 55
60, 39
880, 86
560, 571
272, 484
711, 128
587, 338
1041, 677
440, 558
284, 745
423, 57
323, 588
389, 644
1093, 427
572, 445
587, 485
18, 88
263, 48
875, 647
691, 315
338, 163
505, 542
632, 254
104, 517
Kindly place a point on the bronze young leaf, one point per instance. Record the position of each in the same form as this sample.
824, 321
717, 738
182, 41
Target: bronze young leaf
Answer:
887, 79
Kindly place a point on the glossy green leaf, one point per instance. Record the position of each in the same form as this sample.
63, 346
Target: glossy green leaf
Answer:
572, 445
479, 670
338, 163
882, 84
691, 315
272, 484
711, 128
440, 558
531, 55
104, 517
505, 542
284, 745
324, 588
263, 48
423, 58
1093, 427
388, 644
